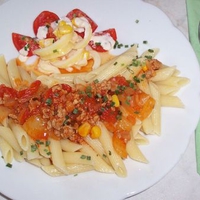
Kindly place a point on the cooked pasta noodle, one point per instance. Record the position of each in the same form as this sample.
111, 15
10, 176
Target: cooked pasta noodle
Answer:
6, 150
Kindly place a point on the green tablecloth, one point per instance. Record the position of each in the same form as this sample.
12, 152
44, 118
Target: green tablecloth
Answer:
193, 11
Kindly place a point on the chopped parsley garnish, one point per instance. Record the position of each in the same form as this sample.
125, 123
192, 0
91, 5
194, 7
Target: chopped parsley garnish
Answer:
135, 63
105, 99
98, 43
104, 155
88, 91
75, 111
119, 115
151, 50
96, 81
66, 121
143, 75
47, 152
26, 47
38, 142
9, 165
148, 57
48, 101
47, 143
34, 147
112, 104
137, 21
131, 85
136, 79
85, 157
55, 50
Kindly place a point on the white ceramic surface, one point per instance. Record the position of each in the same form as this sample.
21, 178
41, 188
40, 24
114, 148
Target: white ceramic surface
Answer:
163, 152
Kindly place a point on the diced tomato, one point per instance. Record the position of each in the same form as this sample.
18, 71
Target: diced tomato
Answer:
66, 87
79, 13
108, 115
119, 146
27, 94
4, 90
45, 18
47, 94
91, 105
23, 115
98, 47
119, 80
26, 42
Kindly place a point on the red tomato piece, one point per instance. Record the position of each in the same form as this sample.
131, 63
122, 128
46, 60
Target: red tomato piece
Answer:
91, 105
79, 13
23, 115
45, 18
109, 116
66, 87
4, 90
22, 41
27, 94
119, 80
97, 46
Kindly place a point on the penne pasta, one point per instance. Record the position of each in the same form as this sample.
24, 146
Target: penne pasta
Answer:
77, 158
69, 146
147, 126
4, 77
163, 74
171, 101
114, 158
51, 170
57, 156
13, 73
45, 161
156, 113
134, 152
20, 135
7, 134
167, 90
174, 81
98, 163
32, 152
19, 157
97, 146
6, 150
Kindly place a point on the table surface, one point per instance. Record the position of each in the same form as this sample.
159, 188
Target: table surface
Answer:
182, 182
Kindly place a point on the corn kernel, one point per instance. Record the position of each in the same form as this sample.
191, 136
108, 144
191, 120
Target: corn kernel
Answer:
84, 129
95, 132
144, 68
115, 100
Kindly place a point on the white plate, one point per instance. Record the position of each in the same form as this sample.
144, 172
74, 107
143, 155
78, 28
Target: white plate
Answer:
24, 181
